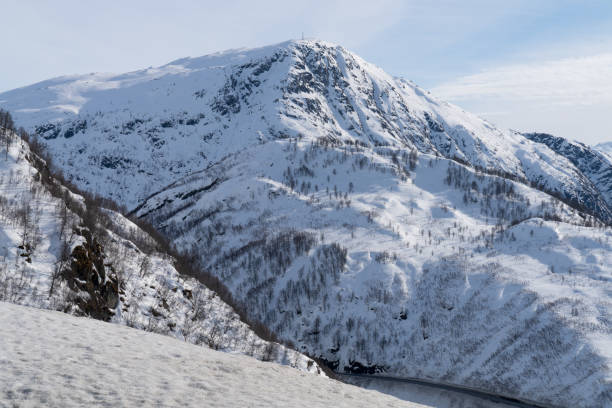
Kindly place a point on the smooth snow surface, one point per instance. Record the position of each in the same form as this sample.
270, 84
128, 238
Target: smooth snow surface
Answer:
56, 360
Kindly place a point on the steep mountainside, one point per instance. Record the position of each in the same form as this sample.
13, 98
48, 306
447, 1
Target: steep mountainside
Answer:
597, 167
426, 272
354, 214
605, 148
112, 132
57, 251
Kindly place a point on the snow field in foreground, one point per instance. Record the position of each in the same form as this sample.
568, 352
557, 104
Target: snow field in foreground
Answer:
57, 360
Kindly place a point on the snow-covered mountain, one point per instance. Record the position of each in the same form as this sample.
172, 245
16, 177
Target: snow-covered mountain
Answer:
69, 362
354, 214
597, 167
59, 251
112, 132
605, 148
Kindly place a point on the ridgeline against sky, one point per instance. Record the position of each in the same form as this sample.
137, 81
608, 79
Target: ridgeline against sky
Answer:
541, 67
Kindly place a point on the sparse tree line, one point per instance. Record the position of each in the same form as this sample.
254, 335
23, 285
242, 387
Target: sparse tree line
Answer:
332, 152
493, 190
591, 219
500, 200
403, 161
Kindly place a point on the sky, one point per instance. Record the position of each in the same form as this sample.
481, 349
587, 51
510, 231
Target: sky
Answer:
542, 65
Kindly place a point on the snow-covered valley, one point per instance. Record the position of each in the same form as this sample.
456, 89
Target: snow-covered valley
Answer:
359, 218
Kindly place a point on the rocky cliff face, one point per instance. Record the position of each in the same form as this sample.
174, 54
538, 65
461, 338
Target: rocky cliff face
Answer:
595, 166
95, 285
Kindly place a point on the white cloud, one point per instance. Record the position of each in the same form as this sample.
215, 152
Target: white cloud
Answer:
570, 97
569, 81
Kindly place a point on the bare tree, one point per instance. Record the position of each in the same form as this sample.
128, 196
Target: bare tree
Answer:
25, 219
198, 302
6, 127
62, 261
145, 267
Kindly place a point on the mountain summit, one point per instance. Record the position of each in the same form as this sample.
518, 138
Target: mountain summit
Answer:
163, 123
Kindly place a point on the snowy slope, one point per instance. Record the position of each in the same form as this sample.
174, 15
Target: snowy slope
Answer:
112, 132
124, 284
597, 167
353, 213
55, 360
426, 273
605, 148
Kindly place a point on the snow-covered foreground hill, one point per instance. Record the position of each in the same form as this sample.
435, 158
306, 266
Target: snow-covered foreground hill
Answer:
56, 360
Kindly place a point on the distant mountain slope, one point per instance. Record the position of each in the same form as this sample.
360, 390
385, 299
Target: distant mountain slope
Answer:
52, 359
426, 272
595, 166
112, 132
605, 148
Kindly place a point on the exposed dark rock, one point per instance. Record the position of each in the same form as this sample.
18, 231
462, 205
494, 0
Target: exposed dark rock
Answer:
48, 131
130, 125
433, 124
111, 162
79, 126
594, 166
96, 286
356, 367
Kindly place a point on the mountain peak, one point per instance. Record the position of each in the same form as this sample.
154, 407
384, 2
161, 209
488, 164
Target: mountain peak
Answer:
221, 103
238, 56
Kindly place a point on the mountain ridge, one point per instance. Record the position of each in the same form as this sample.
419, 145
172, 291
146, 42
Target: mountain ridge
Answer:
594, 165
317, 87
